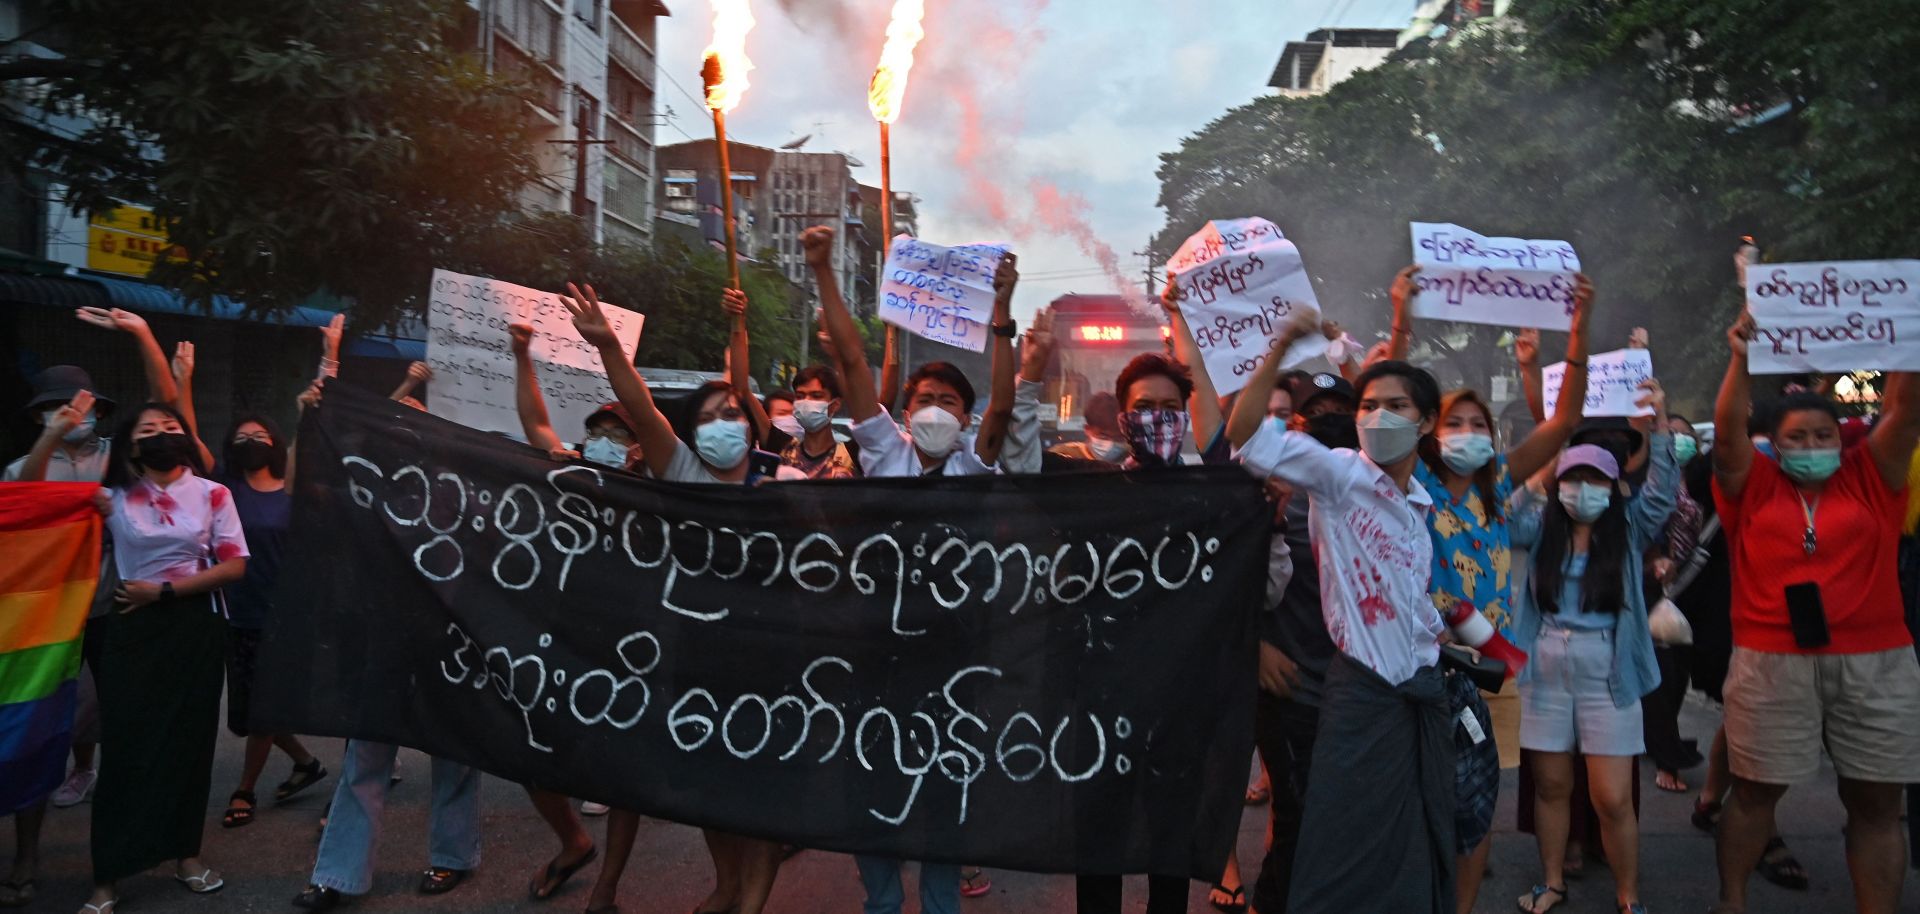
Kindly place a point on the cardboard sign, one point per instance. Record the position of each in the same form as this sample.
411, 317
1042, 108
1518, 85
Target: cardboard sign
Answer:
1613, 383
1239, 284
471, 354
1507, 282
944, 294
1836, 316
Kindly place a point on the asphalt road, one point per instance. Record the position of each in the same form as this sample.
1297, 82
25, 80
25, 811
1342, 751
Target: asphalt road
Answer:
267, 863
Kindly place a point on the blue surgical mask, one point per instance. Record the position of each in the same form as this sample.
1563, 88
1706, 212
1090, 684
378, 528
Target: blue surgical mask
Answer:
1465, 452
1585, 501
1811, 464
722, 443
604, 451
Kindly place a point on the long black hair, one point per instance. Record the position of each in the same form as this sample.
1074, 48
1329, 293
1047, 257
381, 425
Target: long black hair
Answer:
276, 464
120, 471
1602, 589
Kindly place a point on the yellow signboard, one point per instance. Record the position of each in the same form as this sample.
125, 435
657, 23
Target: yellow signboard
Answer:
126, 239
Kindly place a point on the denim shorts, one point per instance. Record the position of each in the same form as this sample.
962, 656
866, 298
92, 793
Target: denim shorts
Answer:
1568, 703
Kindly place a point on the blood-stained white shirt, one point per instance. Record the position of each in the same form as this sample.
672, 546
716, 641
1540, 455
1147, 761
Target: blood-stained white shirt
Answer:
1375, 556
173, 532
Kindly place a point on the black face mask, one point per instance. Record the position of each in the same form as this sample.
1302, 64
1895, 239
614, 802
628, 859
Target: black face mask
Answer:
164, 451
251, 455
1335, 430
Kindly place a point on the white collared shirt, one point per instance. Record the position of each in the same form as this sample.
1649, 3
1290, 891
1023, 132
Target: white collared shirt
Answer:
175, 532
886, 450
1370, 538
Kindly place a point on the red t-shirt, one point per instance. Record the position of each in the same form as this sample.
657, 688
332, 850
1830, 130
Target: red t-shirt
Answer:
1857, 525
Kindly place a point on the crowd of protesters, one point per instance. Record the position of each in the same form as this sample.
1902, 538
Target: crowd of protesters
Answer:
1442, 604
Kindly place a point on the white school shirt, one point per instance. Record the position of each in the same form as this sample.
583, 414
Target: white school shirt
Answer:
1374, 551
886, 450
176, 531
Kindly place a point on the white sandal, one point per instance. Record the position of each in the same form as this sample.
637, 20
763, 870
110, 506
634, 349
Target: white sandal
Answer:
105, 907
207, 883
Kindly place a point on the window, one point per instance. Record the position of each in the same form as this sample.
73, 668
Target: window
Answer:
587, 11
532, 25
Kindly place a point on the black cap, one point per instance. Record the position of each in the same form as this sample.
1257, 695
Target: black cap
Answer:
56, 385
1308, 389
1599, 429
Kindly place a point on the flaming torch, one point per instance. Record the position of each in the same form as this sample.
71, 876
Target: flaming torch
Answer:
724, 73
888, 88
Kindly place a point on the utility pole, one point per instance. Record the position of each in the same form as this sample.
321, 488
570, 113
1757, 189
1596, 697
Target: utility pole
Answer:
1151, 276
581, 130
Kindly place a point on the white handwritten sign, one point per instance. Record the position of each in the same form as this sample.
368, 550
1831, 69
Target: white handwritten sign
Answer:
1241, 285
471, 353
944, 294
1507, 282
1613, 383
1838, 316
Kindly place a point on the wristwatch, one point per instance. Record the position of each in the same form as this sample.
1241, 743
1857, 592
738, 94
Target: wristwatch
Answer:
166, 590
1009, 329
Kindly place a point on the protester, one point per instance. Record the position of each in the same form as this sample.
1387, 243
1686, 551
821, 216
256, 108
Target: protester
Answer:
418, 373
940, 403
1380, 806
1669, 752
1104, 442
710, 445
609, 439
1584, 620
255, 471
817, 452
1822, 657
177, 539
779, 406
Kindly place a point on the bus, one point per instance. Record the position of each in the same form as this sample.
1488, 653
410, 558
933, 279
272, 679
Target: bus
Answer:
1094, 337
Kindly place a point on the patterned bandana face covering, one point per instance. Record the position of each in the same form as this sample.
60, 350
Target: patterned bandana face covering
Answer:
1155, 434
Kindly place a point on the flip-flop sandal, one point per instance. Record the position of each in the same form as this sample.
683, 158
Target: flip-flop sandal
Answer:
1530, 902
974, 884
105, 907
1237, 899
20, 893
1706, 815
237, 815
1780, 867
207, 883
556, 875
304, 776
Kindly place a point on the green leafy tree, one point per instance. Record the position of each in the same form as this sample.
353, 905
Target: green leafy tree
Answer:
291, 146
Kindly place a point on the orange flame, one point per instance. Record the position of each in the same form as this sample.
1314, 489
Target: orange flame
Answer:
726, 65
889, 83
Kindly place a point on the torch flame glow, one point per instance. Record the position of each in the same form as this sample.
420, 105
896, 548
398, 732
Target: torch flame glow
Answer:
889, 84
726, 65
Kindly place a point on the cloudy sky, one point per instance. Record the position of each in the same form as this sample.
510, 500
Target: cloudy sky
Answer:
1038, 122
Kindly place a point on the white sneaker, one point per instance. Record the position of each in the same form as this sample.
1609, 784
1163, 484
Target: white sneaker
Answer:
590, 808
75, 790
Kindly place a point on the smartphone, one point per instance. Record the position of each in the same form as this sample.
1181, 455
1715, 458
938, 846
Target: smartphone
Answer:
1808, 616
763, 464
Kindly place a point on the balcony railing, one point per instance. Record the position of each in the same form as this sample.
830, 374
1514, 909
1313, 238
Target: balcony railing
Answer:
627, 193
549, 91
628, 143
627, 51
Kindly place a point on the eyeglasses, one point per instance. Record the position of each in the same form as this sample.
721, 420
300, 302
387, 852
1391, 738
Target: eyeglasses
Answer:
262, 437
613, 433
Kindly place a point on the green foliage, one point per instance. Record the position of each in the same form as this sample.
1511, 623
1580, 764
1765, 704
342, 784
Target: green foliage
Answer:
293, 146
1581, 121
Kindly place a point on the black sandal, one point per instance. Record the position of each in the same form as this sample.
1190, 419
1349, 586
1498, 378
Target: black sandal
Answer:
1237, 899
1531, 903
303, 777
1706, 815
236, 814
319, 898
438, 880
1780, 867
556, 875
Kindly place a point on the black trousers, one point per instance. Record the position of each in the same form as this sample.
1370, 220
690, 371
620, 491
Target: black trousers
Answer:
1284, 731
1101, 894
1660, 721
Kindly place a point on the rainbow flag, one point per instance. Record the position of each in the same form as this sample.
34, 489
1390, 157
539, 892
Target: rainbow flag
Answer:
49, 563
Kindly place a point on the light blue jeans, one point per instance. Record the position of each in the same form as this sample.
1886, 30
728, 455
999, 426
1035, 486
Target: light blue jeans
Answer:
939, 886
345, 862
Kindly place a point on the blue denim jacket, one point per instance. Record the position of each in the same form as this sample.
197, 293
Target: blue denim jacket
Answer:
1635, 671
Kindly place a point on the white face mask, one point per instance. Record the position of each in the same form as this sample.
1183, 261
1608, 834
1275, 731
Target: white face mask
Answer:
721, 443
75, 435
604, 451
1107, 450
790, 425
1465, 452
1585, 501
1386, 436
812, 415
935, 431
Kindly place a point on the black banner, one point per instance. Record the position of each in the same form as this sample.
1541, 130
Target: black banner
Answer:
1051, 674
